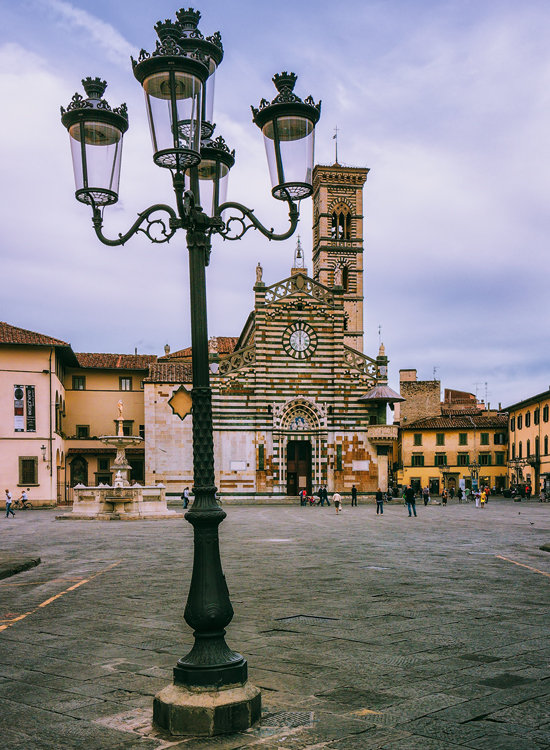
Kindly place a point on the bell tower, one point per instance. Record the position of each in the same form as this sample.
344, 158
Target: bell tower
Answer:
338, 240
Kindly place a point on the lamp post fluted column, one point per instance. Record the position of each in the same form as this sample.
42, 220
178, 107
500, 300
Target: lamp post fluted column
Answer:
210, 663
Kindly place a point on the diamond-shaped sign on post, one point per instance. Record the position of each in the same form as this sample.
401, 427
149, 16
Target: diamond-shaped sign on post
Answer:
181, 402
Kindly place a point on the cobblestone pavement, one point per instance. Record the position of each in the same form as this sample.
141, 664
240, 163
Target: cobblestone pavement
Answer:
364, 632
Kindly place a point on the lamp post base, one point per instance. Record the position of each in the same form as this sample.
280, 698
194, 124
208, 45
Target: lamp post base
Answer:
204, 713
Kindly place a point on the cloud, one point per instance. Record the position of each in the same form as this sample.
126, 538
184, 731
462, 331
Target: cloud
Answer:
99, 33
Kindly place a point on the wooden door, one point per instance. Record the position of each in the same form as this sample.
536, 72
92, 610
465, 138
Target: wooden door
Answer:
298, 467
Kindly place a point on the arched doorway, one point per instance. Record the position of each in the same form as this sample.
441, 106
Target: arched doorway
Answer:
302, 435
298, 467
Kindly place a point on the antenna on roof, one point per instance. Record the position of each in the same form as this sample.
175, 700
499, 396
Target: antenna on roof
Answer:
435, 370
335, 138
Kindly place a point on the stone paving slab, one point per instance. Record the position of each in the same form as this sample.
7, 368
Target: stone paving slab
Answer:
364, 633
11, 564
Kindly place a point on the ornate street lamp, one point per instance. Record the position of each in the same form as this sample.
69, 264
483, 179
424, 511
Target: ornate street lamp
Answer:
210, 693
473, 468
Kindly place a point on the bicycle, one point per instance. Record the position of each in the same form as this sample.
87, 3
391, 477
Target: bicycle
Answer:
21, 505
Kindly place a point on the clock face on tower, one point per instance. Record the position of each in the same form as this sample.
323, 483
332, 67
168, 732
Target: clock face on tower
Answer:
299, 340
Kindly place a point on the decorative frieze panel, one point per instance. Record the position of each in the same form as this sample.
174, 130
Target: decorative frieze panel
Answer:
299, 283
360, 363
382, 434
237, 360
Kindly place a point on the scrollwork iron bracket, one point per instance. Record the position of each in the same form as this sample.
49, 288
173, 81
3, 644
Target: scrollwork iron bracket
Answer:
229, 232
165, 228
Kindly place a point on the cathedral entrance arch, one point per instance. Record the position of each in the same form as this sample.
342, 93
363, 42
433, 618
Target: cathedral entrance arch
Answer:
301, 435
298, 467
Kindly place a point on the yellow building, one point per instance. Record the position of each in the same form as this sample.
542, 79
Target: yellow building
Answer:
454, 451
93, 390
453, 443
529, 455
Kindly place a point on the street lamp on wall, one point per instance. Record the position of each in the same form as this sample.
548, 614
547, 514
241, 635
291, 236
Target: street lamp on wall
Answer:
177, 80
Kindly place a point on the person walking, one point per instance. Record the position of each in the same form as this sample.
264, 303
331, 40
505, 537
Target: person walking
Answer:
321, 496
185, 497
444, 495
354, 496
410, 499
482, 498
477, 495
426, 495
8, 505
337, 500
303, 497
379, 502
459, 495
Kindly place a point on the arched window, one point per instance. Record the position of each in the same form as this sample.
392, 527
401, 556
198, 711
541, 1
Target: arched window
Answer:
520, 451
341, 222
79, 471
528, 448
528, 419
537, 448
546, 445
513, 451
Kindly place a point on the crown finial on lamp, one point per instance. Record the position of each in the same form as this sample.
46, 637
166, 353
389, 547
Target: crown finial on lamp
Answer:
284, 80
168, 30
189, 19
94, 87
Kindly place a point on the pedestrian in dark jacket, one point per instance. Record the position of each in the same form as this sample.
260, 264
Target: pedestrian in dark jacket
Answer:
410, 499
379, 502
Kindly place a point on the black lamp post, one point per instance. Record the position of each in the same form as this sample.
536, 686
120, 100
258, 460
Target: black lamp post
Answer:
473, 468
210, 694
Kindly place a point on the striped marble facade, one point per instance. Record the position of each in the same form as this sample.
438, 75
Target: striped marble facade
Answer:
286, 399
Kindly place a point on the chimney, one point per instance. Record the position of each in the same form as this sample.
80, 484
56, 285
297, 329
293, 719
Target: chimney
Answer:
166, 350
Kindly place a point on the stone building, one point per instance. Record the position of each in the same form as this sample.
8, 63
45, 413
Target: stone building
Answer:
55, 404
294, 403
93, 389
32, 408
529, 454
453, 443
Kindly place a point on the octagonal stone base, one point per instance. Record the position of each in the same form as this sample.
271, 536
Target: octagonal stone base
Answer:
205, 713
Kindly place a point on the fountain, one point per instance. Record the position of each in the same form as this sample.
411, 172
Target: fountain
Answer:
122, 501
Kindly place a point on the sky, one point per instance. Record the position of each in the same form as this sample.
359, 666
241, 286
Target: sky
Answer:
447, 104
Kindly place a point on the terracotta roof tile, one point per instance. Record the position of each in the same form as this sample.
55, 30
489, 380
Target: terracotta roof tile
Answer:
456, 422
170, 372
216, 345
450, 412
116, 361
12, 335
226, 344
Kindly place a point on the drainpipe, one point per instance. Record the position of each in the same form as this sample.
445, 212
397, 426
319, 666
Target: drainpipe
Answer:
50, 439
